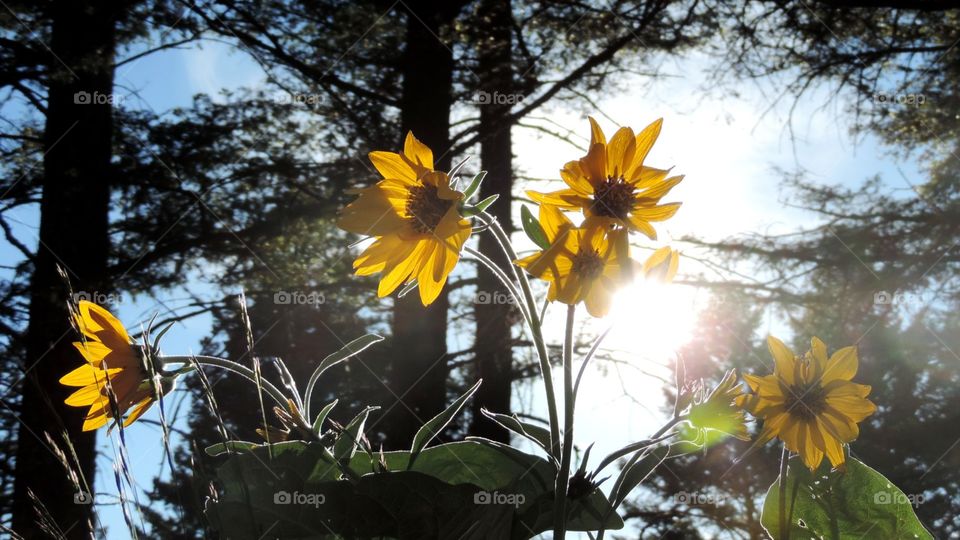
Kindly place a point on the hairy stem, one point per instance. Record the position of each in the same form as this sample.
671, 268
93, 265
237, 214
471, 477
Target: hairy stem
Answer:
535, 329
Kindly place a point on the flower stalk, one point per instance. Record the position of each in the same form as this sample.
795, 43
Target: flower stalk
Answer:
535, 329
560, 496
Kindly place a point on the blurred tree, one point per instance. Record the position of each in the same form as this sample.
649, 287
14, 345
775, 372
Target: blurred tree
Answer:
62, 85
877, 268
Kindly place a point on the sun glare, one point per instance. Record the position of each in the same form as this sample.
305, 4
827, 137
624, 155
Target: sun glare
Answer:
652, 320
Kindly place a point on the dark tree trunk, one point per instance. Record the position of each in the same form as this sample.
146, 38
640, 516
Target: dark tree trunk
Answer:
419, 351
73, 234
494, 315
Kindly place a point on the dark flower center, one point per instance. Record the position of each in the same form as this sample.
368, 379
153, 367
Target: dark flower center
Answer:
588, 264
613, 197
805, 400
426, 208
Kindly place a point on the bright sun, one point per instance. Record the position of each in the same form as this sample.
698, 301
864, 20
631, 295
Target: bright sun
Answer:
652, 320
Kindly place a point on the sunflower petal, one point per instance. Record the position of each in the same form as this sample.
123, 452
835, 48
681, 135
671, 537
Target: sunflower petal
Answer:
417, 152
596, 134
842, 365
783, 359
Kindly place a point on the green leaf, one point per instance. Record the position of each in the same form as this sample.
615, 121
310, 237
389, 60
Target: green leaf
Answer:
435, 425
353, 348
533, 228
481, 206
536, 434
324, 412
346, 444
857, 503
229, 447
474, 185
436, 498
636, 472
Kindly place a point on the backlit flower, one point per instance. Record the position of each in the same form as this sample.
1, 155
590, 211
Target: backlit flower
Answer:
612, 183
113, 364
719, 411
583, 264
810, 402
414, 216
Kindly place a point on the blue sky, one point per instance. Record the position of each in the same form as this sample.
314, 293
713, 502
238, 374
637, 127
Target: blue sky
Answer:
727, 150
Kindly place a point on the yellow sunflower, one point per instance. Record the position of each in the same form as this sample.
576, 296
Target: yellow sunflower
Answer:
414, 215
583, 264
810, 402
612, 183
114, 364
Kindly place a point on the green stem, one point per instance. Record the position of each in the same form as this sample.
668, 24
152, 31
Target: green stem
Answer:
560, 490
784, 459
233, 367
504, 240
502, 276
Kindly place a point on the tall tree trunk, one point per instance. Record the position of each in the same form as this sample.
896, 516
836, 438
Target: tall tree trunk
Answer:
73, 234
419, 352
494, 315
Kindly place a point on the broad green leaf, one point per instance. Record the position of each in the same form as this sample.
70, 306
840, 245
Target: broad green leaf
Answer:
857, 503
353, 348
533, 228
324, 412
437, 424
440, 496
474, 185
